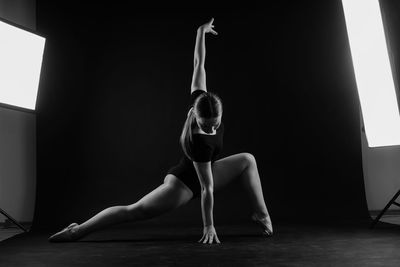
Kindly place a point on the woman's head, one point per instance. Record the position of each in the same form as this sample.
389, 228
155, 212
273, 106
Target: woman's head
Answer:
206, 113
207, 110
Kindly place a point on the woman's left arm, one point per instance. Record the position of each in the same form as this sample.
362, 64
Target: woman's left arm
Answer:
199, 72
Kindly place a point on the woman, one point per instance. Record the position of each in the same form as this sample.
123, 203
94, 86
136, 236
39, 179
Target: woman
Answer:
198, 173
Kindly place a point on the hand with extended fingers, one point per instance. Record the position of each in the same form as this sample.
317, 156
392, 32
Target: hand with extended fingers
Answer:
208, 27
209, 234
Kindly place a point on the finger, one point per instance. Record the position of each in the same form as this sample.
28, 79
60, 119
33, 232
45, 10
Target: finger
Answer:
205, 240
211, 240
211, 21
216, 237
201, 239
214, 32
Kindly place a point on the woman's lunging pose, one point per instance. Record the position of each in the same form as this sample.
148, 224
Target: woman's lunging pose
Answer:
198, 174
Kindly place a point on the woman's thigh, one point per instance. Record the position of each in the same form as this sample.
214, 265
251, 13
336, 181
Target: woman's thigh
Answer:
168, 196
227, 169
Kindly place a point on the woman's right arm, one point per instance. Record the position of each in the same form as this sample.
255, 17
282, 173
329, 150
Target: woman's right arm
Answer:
199, 72
203, 170
204, 173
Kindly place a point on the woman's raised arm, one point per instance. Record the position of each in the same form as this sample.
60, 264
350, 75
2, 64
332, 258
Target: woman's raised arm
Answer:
199, 72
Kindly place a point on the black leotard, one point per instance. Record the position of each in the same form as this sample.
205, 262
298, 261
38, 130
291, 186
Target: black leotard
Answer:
205, 148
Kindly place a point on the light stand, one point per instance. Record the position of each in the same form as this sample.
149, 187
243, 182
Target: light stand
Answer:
14, 221
390, 203
24, 48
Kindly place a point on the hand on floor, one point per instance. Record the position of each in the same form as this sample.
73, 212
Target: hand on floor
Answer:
209, 235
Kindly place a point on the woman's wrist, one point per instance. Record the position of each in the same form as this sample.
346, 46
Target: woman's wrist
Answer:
200, 29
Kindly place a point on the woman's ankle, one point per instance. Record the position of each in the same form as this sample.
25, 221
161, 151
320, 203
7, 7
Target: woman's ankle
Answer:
76, 232
262, 215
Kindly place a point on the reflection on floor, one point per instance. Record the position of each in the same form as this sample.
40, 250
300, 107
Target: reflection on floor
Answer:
317, 243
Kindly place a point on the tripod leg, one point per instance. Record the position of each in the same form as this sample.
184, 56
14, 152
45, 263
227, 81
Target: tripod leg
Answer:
384, 210
14, 221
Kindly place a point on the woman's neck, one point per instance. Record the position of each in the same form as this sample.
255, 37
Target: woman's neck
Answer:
200, 131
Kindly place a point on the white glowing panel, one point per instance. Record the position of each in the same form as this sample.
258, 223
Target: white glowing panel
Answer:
372, 72
21, 54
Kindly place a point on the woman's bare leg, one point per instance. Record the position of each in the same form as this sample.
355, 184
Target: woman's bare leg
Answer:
107, 217
250, 179
166, 197
244, 167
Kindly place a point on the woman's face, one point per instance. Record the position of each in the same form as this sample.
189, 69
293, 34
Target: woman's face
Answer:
209, 125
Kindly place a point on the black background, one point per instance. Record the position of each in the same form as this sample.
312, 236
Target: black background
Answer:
114, 92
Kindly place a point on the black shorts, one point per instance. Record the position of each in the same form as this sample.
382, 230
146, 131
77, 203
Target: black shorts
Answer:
186, 172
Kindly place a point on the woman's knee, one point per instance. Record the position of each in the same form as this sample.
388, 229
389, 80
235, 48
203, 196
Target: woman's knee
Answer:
248, 158
134, 211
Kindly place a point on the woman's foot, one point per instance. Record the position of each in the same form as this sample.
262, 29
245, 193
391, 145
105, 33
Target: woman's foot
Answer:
264, 222
67, 234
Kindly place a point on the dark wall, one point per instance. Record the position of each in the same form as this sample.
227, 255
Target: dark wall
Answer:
114, 96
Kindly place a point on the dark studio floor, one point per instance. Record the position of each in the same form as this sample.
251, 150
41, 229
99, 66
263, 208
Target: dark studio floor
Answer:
308, 244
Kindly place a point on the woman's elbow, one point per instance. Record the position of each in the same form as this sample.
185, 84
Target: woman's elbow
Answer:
208, 189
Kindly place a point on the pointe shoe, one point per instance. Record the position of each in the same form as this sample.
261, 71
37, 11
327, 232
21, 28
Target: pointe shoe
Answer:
265, 223
65, 235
